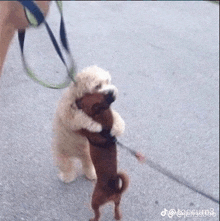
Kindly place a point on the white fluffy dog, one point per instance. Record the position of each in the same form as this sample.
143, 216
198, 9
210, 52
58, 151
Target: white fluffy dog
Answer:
67, 143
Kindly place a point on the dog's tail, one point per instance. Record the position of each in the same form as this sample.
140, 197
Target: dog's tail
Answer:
125, 182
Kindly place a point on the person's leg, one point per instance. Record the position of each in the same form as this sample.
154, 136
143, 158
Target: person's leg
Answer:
12, 18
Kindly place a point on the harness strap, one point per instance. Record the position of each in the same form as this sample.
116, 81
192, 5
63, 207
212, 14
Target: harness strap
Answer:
36, 12
110, 140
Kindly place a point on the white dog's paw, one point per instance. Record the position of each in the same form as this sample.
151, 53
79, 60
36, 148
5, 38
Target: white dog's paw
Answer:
118, 126
66, 177
94, 127
82, 120
90, 173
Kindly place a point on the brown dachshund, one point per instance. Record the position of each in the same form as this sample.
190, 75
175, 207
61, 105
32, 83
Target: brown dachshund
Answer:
103, 153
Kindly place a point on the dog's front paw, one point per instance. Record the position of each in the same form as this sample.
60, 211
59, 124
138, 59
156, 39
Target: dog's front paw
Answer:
83, 121
66, 177
118, 126
94, 127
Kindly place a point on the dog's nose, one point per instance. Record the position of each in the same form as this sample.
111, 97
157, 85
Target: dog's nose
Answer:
110, 97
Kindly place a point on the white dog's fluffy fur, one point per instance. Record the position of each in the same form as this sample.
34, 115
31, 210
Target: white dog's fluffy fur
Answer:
67, 143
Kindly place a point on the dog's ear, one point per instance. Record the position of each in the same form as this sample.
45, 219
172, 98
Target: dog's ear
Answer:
79, 103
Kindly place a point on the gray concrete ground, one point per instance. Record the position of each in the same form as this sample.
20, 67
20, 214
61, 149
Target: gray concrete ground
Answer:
163, 57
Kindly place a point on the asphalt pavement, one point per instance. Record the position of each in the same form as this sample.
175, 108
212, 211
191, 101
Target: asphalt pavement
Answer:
164, 59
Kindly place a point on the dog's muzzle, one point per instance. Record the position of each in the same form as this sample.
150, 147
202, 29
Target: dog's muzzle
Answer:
110, 97
111, 91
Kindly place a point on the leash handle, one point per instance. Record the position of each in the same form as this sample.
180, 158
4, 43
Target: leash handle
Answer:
34, 9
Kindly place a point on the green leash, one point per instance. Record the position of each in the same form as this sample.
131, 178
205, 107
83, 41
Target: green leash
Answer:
35, 18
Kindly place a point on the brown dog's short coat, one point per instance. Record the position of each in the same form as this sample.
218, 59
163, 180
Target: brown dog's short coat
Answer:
103, 153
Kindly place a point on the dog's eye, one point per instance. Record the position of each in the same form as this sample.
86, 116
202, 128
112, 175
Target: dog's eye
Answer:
99, 86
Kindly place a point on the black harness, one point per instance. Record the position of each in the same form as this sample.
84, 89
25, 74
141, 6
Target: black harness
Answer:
110, 140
